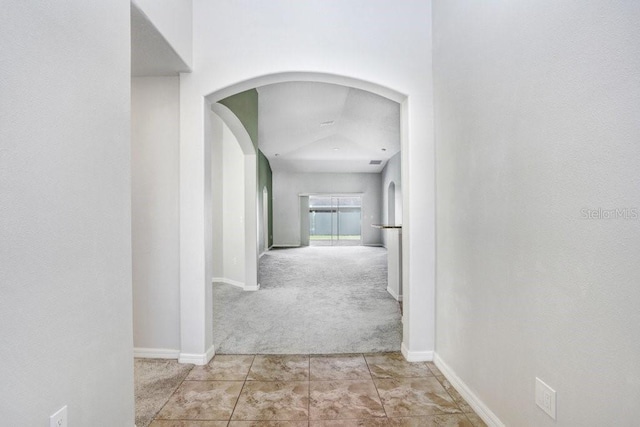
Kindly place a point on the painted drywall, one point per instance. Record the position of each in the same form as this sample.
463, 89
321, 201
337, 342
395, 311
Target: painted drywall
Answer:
265, 180
380, 46
214, 133
249, 193
288, 186
537, 107
233, 249
151, 54
245, 106
155, 181
391, 174
65, 213
174, 21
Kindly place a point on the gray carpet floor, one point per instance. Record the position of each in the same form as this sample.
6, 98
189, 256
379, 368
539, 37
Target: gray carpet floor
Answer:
312, 300
155, 381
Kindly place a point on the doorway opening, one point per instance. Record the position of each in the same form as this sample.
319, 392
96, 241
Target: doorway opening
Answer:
295, 177
391, 204
335, 220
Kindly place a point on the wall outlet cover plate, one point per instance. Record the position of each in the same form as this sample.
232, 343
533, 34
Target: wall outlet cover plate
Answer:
59, 419
546, 398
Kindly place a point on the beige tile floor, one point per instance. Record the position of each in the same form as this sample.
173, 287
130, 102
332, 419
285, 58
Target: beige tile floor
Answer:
315, 391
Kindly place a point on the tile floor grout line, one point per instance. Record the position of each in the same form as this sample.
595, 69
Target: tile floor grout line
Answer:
244, 383
171, 395
372, 378
450, 395
309, 394
469, 419
376, 387
246, 377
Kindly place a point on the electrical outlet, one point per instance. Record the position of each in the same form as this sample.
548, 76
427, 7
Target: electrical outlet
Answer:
59, 419
546, 398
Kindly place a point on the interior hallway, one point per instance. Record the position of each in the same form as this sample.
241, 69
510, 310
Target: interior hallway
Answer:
311, 300
300, 391
520, 189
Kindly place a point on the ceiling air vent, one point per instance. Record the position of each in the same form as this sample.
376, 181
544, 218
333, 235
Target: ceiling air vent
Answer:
375, 162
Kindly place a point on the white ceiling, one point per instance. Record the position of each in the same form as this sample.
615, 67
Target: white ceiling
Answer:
292, 135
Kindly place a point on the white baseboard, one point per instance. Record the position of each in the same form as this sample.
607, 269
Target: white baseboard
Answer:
472, 399
155, 353
394, 295
265, 251
296, 245
416, 356
197, 358
227, 281
235, 283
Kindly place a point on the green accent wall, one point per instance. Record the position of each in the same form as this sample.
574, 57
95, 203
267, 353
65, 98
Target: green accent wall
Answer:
265, 179
245, 106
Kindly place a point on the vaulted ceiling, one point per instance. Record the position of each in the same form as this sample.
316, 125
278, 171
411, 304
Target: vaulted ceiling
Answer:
321, 127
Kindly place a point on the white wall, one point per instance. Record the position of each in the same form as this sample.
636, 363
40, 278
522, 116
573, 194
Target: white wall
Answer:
287, 186
233, 254
391, 173
537, 107
155, 132
65, 213
214, 133
365, 44
174, 20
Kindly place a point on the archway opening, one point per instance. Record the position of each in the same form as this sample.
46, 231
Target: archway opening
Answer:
391, 204
259, 235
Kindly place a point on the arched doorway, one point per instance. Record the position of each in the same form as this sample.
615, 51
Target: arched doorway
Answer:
196, 329
391, 203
